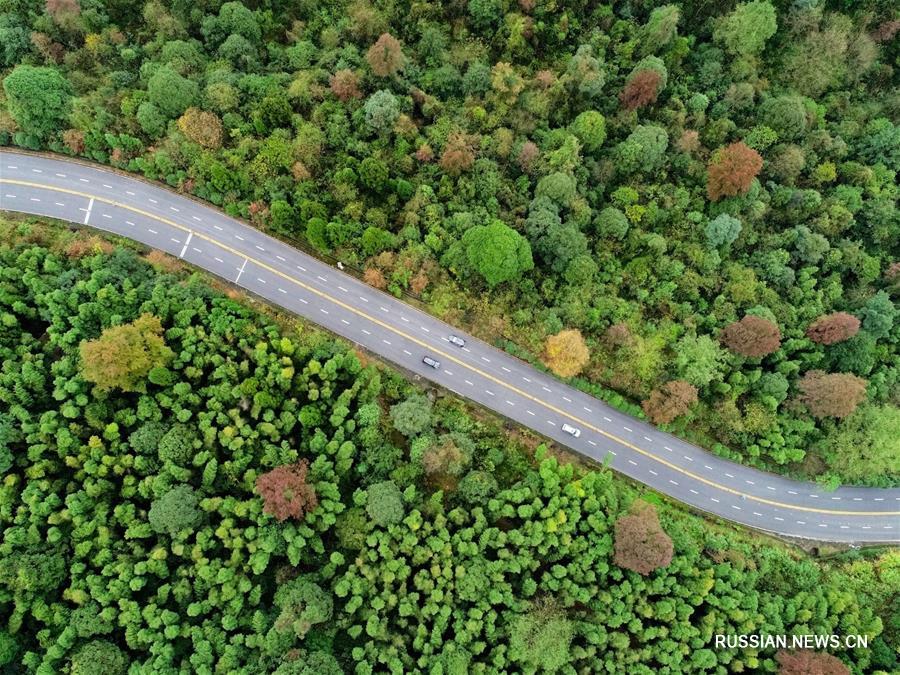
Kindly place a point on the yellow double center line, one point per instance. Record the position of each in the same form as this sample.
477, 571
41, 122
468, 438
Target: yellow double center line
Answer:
411, 338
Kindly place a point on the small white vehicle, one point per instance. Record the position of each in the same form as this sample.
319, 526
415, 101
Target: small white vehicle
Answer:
458, 341
428, 361
573, 431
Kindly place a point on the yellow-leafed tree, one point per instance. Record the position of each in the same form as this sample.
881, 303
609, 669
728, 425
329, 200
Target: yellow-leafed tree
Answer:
565, 353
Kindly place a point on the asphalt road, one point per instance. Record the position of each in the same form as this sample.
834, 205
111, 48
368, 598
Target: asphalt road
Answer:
205, 237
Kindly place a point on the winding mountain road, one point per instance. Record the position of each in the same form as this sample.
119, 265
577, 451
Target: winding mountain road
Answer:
203, 236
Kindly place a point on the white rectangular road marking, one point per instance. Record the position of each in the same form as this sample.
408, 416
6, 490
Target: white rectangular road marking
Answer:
489, 392
88, 214
61, 175
260, 247
647, 438
387, 342
280, 258
425, 329
526, 379
567, 399
153, 201
106, 215
108, 187
344, 321
551, 422
383, 309
219, 260
217, 227
714, 500
594, 443
38, 170
341, 288
485, 359
324, 311
238, 237
632, 462
184, 250
690, 459
666, 447
11, 166
367, 332
627, 429
607, 419
281, 290
129, 192
303, 301
262, 281
672, 482
321, 278
84, 180
529, 412
301, 268
35, 199
364, 299
409, 353
10, 196
652, 472
241, 271
546, 389
128, 222
506, 369
177, 241
729, 475
197, 219
194, 248
152, 231
694, 492
588, 409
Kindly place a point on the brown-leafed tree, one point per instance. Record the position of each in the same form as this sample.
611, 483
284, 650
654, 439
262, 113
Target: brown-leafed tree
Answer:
831, 328
732, 170
808, 662
528, 156
641, 90
641, 544
123, 355
618, 335
385, 57
458, 155
285, 492
345, 85
669, 401
752, 336
566, 353
831, 394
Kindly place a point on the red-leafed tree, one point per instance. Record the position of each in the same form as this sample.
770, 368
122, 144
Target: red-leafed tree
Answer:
385, 57
831, 328
345, 85
752, 336
808, 662
285, 492
831, 394
669, 401
641, 545
732, 170
641, 90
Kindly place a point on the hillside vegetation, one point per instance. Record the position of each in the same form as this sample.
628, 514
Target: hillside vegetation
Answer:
705, 192
188, 486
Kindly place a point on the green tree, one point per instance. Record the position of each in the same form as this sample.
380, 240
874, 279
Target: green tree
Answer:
384, 503
412, 416
699, 359
643, 150
590, 128
540, 638
866, 444
497, 252
99, 656
722, 230
878, 315
38, 98
746, 29
171, 93
382, 109
176, 511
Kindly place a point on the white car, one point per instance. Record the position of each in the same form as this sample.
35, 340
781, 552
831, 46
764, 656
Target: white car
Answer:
569, 429
428, 361
458, 341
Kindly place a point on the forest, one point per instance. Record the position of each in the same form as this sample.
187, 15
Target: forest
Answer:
192, 483
688, 208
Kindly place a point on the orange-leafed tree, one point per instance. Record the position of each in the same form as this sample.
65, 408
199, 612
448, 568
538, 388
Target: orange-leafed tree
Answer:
566, 353
732, 170
831, 394
831, 328
641, 544
285, 492
385, 57
669, 401
752, 336
345, 85
458, 155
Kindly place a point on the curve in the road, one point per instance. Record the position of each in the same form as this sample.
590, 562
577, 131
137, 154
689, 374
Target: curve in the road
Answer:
865, 515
